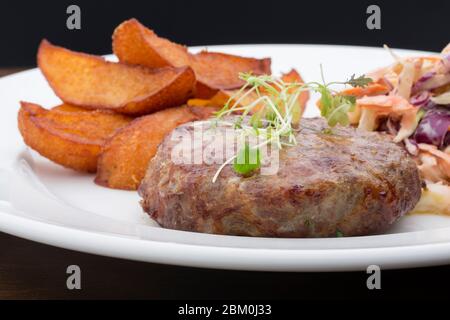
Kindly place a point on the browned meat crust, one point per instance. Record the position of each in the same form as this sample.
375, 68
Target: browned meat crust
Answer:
349, 182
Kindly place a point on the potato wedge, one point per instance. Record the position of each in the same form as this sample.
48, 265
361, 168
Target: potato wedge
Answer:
91, 82
71, 108
124, 158
203, 112
220, 71
133, 43
294, 77
223, 96
219, 99
72, 139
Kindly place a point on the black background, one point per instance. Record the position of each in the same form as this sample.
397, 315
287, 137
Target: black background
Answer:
405, 24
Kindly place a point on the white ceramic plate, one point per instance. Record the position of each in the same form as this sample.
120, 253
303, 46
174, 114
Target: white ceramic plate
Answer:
44, 202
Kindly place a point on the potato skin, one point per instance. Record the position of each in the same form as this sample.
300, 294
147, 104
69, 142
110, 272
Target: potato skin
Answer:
220, 71
221, 97
291, 77
86, 140
133, 43
92, 82
125, 156
72, 138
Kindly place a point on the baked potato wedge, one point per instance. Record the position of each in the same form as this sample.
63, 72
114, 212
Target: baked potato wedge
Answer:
219, 71
92, 82
133, 43
294, 77
70, 108
125, 156
72, 138
223, 96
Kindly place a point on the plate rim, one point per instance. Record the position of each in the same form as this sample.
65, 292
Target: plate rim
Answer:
318, 260
236, 258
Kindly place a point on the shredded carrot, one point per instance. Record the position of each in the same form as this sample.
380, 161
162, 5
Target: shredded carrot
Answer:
371, 90
383, 103
443, 158
435, 151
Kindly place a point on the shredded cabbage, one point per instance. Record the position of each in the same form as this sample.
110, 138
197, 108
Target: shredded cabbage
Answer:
443, 99
435, 199
419, 102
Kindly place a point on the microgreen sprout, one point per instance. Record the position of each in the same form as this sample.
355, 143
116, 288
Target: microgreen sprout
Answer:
274, 113
247, 160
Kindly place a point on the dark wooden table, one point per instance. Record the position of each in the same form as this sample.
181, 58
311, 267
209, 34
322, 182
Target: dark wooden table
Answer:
29, 270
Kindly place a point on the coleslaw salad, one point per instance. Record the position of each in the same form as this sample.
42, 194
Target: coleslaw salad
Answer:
410, 99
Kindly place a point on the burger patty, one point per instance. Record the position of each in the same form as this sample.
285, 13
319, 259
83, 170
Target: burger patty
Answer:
348, 182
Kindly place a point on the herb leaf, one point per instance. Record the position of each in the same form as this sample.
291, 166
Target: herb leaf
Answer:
362, 81
278, 113
339, 113
335, 107
248, 160
326, 100
339, 234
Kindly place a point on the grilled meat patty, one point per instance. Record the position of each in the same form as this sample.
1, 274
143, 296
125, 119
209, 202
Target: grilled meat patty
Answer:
348, 182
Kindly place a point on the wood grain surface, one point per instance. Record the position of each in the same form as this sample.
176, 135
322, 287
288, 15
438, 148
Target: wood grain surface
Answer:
6, 71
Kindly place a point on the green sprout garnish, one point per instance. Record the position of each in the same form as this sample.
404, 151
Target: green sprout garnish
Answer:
335, 107
247, 160
276, 113
361, 81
